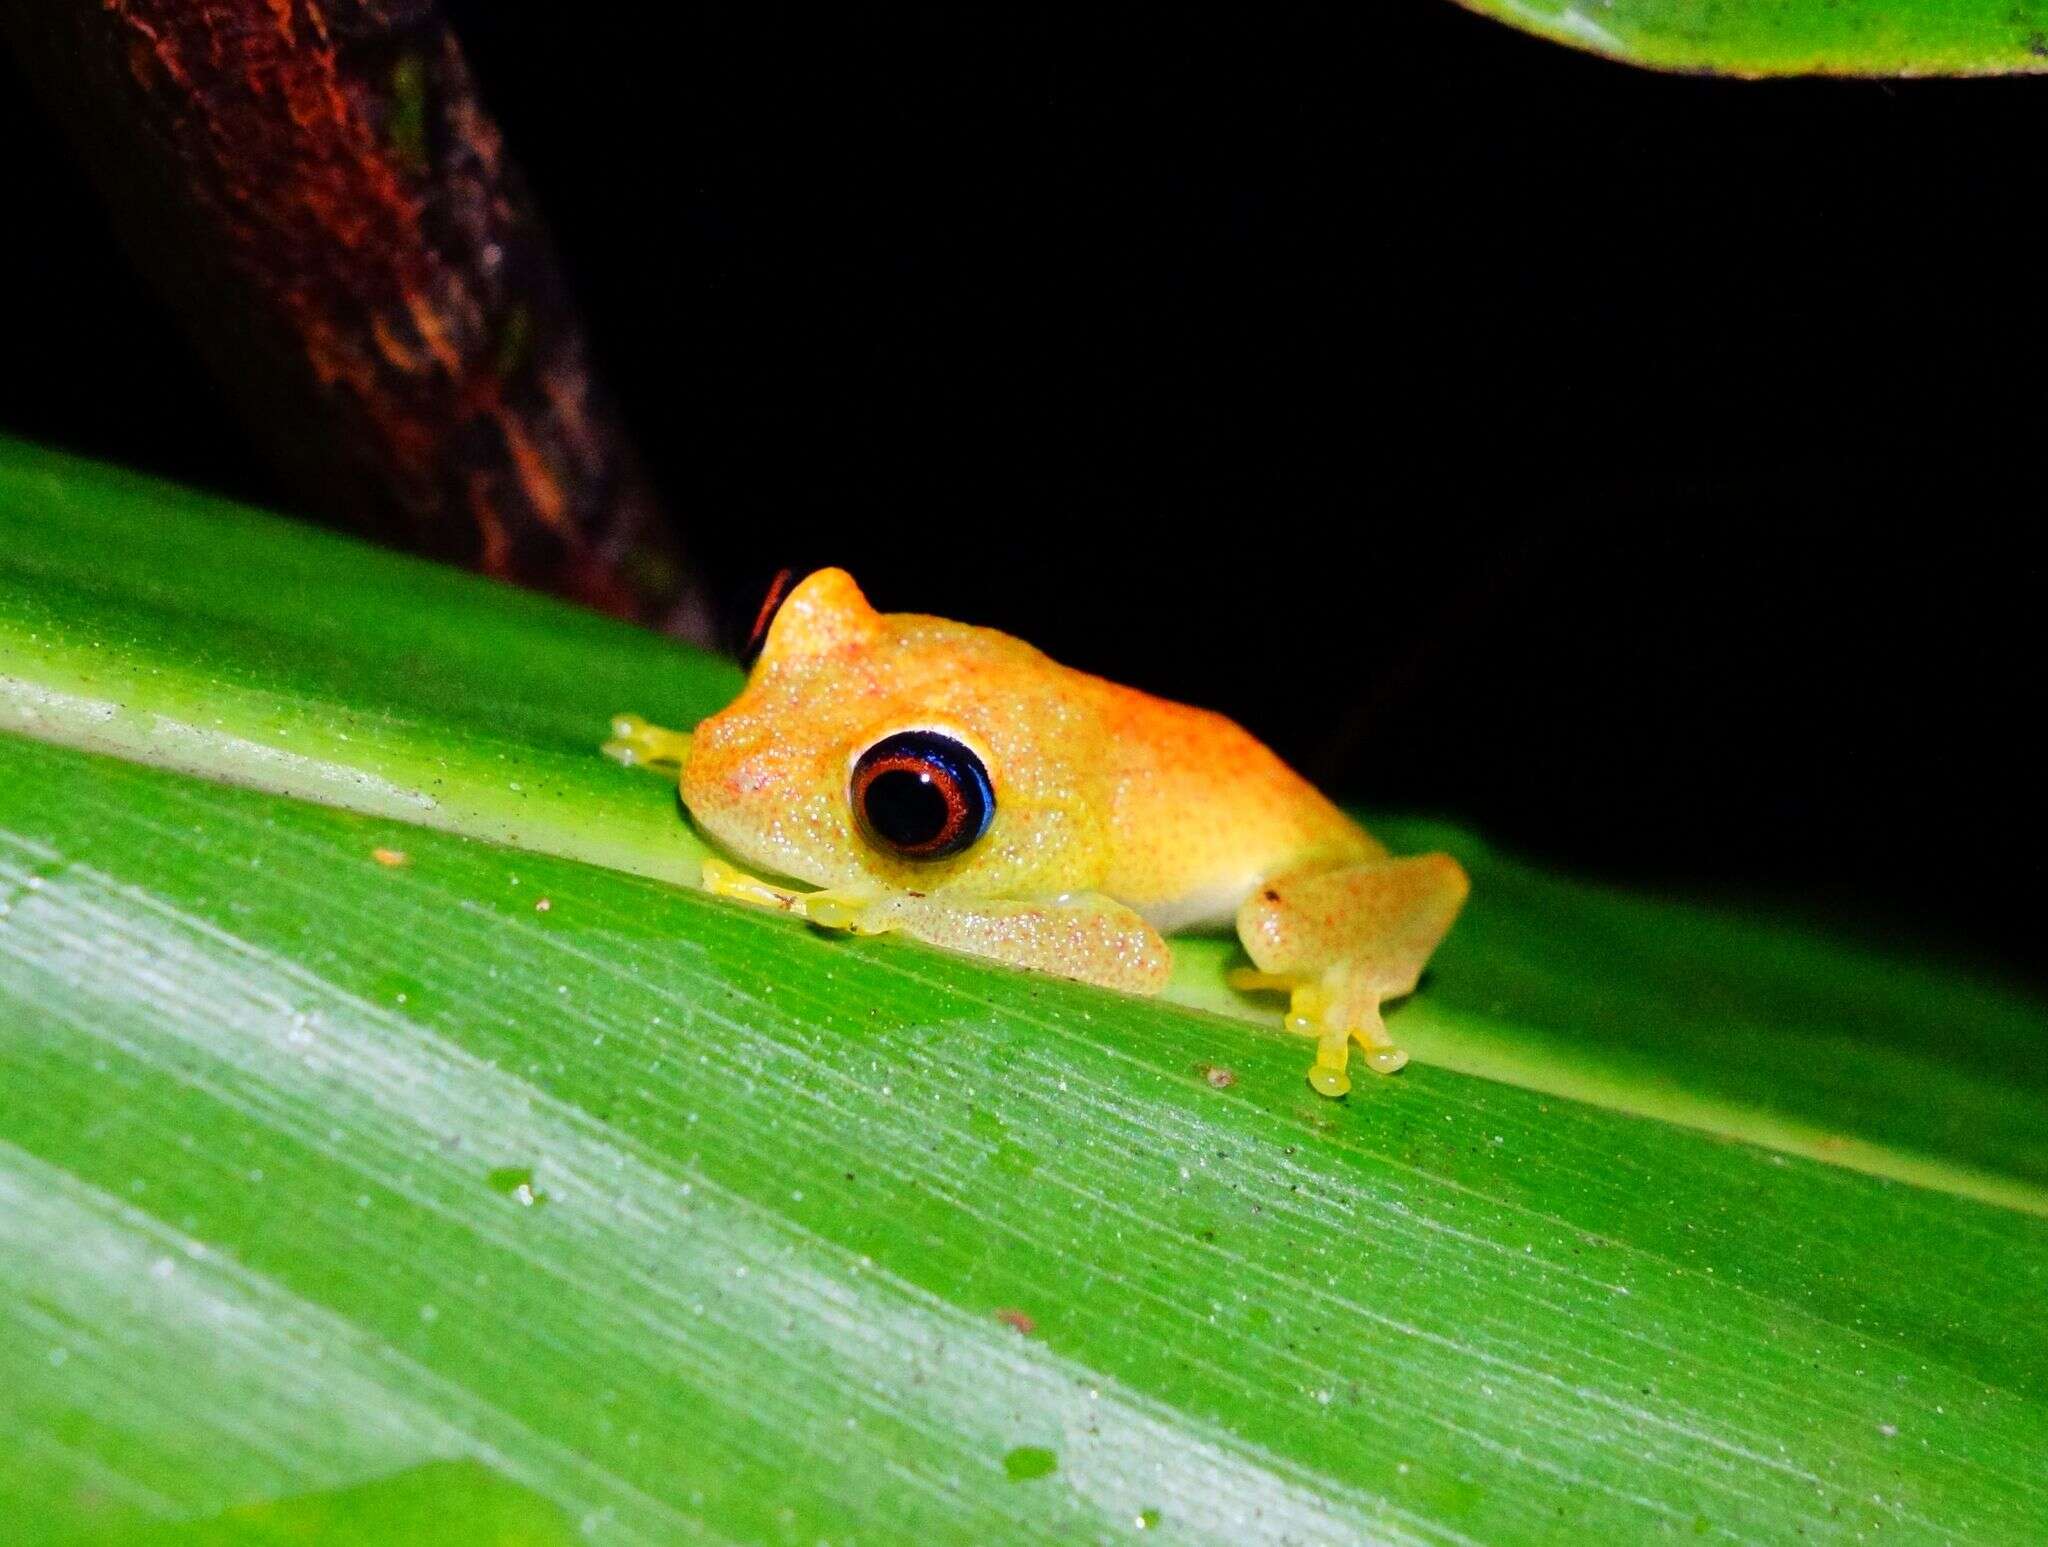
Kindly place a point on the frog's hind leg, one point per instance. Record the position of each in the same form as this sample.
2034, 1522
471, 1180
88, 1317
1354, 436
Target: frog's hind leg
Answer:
638, 744
1343, 941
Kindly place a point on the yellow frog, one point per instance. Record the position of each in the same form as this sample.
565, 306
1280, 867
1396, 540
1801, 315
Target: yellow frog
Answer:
953, 783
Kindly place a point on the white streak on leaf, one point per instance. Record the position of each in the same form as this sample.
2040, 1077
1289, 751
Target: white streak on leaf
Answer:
97, 725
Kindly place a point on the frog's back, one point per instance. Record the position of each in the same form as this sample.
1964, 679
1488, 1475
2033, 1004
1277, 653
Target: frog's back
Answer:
1202, 811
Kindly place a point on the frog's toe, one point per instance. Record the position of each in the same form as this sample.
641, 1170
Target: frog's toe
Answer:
846, 913
1327, 1075
1357, 1011
1308, 1010
829, 912
1386, 1060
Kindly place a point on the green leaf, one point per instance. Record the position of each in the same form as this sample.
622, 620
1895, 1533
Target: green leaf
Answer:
1795, 37
224, 643
433, 1502
345, 1197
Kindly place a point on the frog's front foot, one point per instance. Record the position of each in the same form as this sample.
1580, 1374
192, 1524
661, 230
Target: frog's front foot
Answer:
848, 912
638, 743
723, 880
1336, 1014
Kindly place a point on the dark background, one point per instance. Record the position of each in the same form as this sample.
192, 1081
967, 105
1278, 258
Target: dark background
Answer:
1641, 469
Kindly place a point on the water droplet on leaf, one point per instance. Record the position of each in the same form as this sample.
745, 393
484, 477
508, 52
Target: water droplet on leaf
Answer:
516, 1183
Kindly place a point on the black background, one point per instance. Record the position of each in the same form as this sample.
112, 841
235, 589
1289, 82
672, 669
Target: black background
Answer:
1642, 469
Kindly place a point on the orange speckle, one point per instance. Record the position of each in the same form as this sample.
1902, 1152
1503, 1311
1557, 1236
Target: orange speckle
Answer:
1009, 1316
391, 857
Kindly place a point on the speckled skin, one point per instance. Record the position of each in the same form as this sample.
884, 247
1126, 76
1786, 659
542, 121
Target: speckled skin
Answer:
1117, 815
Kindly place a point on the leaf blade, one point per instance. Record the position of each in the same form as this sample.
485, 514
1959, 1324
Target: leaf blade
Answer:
334, 1168
1471, 1308
1757, 38
153, 623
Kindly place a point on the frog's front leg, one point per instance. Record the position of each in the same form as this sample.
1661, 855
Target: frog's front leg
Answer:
1344, 940
1082, 935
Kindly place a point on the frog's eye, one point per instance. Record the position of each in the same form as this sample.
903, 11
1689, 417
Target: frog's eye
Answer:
771, 604
921, 794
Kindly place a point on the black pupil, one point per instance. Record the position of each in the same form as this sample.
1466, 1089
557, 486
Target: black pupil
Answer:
906, 808
922, 794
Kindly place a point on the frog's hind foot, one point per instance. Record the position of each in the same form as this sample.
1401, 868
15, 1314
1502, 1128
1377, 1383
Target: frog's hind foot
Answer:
637, 743
1335, 1019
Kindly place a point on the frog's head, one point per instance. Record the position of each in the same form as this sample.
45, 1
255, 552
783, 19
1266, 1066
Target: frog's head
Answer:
903, 753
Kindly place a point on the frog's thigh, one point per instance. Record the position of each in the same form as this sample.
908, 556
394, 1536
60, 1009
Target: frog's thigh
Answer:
1346, 939
1083, 936
1385, 917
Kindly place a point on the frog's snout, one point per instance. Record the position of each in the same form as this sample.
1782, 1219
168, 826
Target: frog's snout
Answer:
736, 782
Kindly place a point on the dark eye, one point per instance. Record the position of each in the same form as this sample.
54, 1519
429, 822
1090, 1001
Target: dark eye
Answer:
757, 636
921, 795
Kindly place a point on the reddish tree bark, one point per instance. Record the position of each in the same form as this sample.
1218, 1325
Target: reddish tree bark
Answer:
317, 188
